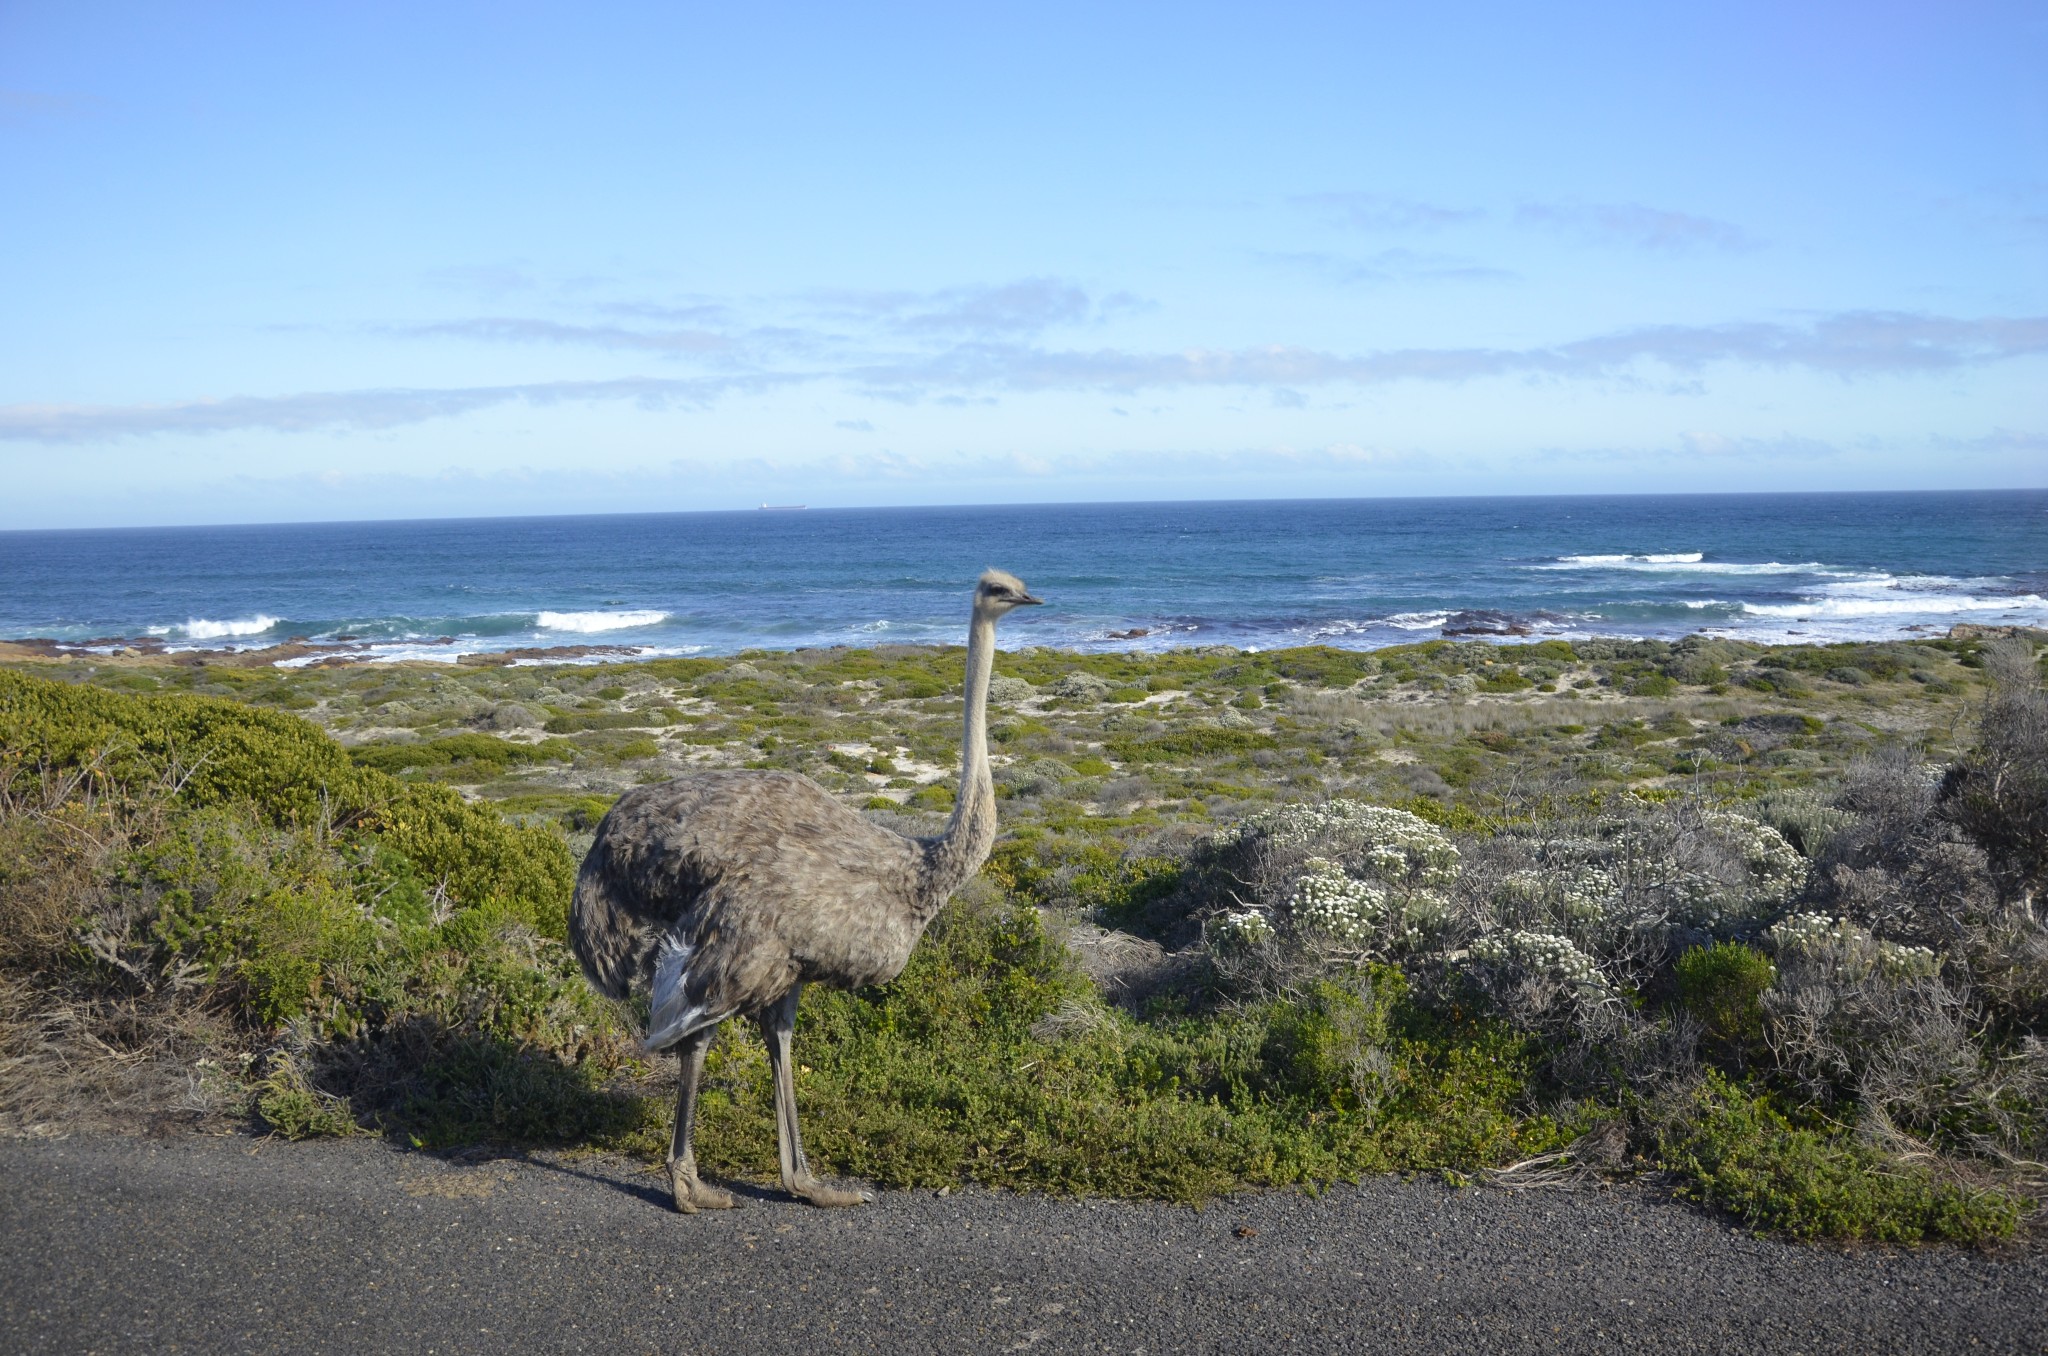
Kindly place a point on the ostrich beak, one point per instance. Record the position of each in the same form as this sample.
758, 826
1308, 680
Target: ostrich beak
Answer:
1028, 601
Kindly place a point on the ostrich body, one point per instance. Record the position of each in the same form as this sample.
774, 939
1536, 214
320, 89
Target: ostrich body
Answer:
726, 893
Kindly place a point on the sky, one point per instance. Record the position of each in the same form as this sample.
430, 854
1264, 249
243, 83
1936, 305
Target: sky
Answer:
272, 263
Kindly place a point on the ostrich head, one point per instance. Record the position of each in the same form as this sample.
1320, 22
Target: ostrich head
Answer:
998, 592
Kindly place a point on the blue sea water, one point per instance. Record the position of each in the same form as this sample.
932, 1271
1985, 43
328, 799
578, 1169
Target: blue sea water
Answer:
1353, 573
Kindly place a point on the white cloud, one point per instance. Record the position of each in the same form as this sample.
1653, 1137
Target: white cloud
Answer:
1847, 344
1381, 212
1653, 228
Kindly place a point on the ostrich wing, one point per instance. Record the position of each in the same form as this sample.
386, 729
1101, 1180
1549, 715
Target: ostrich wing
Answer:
744, 884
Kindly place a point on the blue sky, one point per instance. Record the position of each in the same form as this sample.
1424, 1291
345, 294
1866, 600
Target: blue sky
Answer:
273, 263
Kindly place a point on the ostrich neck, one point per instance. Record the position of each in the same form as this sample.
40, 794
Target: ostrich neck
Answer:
958, 853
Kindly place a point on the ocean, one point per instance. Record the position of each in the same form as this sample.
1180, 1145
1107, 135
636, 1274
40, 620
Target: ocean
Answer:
1356, 573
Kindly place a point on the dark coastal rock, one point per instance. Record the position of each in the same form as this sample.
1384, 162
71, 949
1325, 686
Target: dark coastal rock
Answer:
1484, 623
42, 647
245, 659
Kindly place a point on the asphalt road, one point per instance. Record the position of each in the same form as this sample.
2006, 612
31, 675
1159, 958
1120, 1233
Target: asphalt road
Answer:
238, 1245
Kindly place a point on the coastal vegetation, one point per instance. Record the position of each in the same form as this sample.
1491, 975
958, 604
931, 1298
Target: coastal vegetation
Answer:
1760, 923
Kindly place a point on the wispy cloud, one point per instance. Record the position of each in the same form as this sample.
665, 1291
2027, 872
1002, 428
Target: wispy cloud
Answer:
1009, 312
1391, 266
1849, 344
1784, 447
489, 279
1385, 212
510, 329
1179, 464
1027, 306
854, 425
1852, 344
1703, 446
1998, 440
691, 313
1652, 228
344, 411
1655, 228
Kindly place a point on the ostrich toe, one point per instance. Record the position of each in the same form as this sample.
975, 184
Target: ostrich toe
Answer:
817, 1193
693, 1194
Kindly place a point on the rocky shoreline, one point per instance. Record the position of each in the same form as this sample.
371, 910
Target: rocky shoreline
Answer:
301, 652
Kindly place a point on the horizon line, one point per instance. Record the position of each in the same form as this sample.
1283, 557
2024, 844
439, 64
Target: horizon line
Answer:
1033, 504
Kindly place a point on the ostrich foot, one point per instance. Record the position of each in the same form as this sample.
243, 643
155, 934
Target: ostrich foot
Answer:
817, 1193
693, 1195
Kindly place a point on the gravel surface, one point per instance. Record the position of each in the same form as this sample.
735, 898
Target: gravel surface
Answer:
239, 1245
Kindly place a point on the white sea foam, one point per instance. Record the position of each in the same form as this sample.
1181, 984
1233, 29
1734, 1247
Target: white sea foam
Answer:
1925, 605
1691, 563
1667, 558
588, 623
392, 653
200, 628
1417, 621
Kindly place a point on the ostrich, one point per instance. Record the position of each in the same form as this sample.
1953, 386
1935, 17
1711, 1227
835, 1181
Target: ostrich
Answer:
729, 891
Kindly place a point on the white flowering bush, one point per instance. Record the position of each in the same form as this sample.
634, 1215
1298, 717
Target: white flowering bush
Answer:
1328, 900
1537, 956
1577, 892
1398, 847
1343, 880
1238, 929
1776, 870
1707, 869
1849, 949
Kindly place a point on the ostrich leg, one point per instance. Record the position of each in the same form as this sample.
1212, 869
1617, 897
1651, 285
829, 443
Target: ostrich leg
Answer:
777, 1024
690, 1193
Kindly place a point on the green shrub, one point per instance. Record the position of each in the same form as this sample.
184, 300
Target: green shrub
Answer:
481, 751
1323, 666
988, 1060
577, 721
219, 753
1199, 741
294, 1108
1723, 985
1739, 1154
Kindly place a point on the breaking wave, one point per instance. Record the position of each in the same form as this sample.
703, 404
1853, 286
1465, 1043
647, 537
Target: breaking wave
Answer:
1922, 605
1691, 562
1669, 558
200, 628
590, 623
